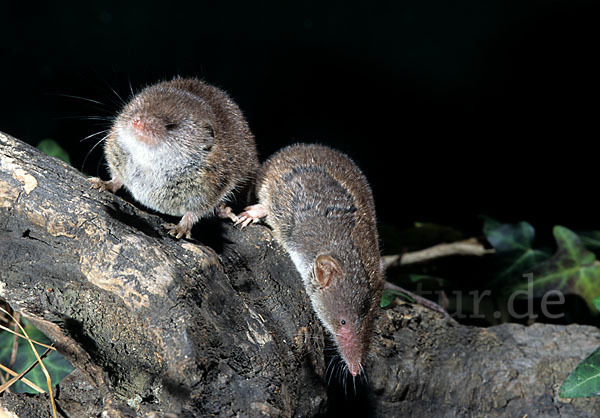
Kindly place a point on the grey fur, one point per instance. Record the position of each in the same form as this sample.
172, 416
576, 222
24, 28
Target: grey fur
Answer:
318, 202
181, 147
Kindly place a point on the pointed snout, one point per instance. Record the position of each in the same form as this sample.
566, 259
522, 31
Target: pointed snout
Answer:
354, 369
351, 349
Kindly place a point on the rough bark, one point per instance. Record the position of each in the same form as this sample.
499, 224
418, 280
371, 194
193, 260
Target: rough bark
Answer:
220, 325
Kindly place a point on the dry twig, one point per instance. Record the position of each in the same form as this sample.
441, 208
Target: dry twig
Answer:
467, 247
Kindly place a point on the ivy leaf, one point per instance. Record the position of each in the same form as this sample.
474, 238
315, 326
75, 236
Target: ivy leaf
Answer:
584, 381
415, 278
422, 277
388, 296
425, 281
509, 237
513, 245
57, 365
572, 269
51, 148
591, 239
518, 262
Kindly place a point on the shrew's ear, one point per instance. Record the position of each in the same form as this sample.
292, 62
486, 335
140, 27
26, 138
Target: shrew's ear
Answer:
327, 269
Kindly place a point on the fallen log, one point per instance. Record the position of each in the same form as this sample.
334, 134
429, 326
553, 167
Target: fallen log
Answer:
220, 324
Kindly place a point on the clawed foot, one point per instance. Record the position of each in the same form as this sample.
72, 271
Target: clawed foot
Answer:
111, 185
178, 231
251, 214
184, 227
224, 212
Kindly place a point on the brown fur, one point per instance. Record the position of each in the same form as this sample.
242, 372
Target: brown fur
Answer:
320, 205
191, 149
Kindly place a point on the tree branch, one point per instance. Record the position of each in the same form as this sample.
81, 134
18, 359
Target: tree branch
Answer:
220, 325
466, 247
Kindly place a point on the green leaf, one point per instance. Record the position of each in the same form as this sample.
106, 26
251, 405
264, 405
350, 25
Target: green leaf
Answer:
584, 381
422, 277
427, 280
388, 296
572, 269
57, 365
517, 262
51, 147
597, 303
591, 239
513, 244
386, 299
509, 237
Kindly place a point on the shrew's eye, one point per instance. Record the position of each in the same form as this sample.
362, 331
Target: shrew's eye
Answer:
171, 126
342, 322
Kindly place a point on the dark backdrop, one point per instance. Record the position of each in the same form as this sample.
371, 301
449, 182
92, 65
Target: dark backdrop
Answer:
452, 109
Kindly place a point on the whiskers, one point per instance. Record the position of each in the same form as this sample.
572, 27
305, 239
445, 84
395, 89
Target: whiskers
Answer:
71, 96
120, 100
338, 368
363, 375
97, 114
104, 121
104, 134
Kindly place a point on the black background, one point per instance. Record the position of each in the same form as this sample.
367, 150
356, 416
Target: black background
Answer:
452, 109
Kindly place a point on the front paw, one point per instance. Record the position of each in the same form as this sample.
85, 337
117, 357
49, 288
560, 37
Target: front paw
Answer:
111, 185
224, 212
251, 214
178, 230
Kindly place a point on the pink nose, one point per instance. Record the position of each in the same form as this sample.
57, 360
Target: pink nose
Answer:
354, 369
137, 124
350, 348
